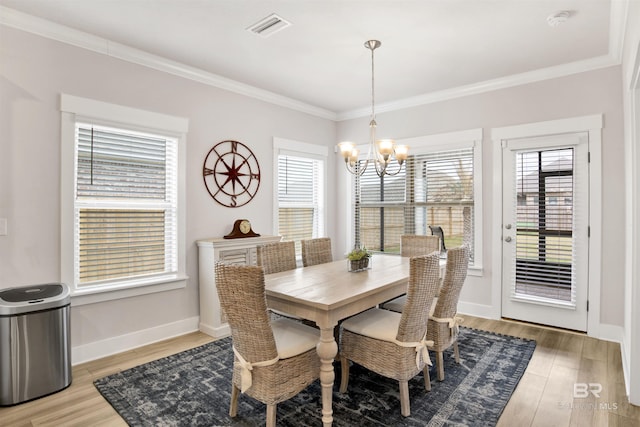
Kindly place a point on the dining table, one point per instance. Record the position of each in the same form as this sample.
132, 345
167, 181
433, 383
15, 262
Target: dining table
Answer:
327, 293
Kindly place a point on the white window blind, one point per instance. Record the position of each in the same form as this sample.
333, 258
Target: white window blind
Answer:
434, 188
125, 204
300, 198
545, 198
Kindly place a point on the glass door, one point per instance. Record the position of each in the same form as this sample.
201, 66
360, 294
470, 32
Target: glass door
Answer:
545, 220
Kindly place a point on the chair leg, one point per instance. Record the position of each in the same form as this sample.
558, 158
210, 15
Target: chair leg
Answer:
405, 408
427, 378
344, 382
233, 408
456, 353
271, 415
440, 365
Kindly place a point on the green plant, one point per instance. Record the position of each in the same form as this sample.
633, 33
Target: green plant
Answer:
359, 253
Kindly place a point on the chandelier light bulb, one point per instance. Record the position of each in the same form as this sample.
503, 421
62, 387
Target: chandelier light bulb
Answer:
402, 152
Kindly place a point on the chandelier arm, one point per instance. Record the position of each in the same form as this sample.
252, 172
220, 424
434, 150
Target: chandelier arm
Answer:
355, 171
386, 171
381, 168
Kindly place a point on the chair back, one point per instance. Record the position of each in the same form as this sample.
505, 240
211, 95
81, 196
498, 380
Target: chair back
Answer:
417, 245
423, 285
457, 263
436, 230
243, 301
277, 257
316, 251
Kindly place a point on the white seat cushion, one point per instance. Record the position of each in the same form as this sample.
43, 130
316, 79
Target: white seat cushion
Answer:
375, 323
293, 338
396, 305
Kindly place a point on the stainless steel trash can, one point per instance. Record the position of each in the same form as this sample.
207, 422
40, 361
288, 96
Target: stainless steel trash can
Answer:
35, 349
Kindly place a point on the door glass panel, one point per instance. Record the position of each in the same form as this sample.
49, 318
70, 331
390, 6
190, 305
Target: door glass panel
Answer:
544, 217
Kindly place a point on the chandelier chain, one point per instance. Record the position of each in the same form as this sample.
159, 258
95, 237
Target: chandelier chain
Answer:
373, 87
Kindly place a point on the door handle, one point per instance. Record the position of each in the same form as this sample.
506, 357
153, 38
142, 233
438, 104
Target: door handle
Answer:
507, 239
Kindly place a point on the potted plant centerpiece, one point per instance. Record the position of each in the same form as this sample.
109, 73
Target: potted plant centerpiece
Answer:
359, 259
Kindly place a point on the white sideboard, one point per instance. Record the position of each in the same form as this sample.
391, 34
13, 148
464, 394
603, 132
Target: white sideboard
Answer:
237, 251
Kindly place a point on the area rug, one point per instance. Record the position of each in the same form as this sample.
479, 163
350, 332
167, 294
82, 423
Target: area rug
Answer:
193, 388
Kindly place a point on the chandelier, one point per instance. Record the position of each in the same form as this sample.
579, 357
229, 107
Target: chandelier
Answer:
381, 152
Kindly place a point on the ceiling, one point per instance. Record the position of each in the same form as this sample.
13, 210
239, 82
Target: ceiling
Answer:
430, 48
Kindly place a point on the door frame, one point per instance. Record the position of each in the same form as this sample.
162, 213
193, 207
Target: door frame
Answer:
591, 124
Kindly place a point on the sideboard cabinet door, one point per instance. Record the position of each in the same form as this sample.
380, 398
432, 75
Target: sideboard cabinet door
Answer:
236, 251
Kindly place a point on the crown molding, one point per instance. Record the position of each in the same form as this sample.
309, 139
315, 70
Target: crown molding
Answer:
617, 23
617, 27
486, 86
44, 28
63, 34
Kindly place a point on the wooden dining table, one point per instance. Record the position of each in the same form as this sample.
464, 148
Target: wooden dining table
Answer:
328, 293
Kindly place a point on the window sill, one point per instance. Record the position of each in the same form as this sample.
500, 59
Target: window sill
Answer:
475, 270
101, 294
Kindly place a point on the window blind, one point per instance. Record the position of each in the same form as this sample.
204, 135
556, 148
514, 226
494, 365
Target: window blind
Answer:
434, 188
126, 204
545, 221
299, 198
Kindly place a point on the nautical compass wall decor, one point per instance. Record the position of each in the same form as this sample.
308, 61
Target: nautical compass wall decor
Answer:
231, 173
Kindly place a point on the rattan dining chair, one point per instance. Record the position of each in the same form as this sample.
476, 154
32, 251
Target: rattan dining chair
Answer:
316, 251
394, 344
416, 245
412, 245
444, 320
273, 361
277, 257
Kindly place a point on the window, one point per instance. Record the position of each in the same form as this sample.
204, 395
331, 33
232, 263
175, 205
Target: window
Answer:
439, 185
121, 206
300, 190
126, 204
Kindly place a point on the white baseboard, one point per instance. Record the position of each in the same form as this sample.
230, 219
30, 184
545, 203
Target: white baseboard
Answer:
99, 349
219, 332
608, 332
478, 310
616, 333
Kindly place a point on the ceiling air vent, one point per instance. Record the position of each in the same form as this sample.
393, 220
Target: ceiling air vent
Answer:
269, 25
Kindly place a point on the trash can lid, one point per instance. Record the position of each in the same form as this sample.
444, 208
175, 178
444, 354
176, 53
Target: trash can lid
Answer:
33, 298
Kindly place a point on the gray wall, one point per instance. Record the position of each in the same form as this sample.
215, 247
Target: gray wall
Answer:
595, 92
34, 71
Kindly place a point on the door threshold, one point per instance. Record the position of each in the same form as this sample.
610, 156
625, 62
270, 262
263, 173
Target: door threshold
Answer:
542, 326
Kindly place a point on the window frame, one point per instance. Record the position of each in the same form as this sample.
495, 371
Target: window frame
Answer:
471, 138
76, 109
282, 146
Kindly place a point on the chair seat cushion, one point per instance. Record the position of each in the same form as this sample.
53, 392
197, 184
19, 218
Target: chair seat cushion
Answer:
285, 314
396, 305
375, 323
293, 338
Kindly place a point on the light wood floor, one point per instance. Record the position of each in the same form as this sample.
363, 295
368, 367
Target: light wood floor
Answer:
544, 396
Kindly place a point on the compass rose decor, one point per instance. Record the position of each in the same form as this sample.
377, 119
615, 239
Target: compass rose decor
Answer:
231, 173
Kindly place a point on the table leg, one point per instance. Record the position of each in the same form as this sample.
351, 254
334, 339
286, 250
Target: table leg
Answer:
327, 349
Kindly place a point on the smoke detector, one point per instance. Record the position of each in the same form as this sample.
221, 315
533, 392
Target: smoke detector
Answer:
269, 25
558, 18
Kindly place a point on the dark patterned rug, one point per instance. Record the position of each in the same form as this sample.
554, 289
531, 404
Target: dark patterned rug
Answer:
193, 388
